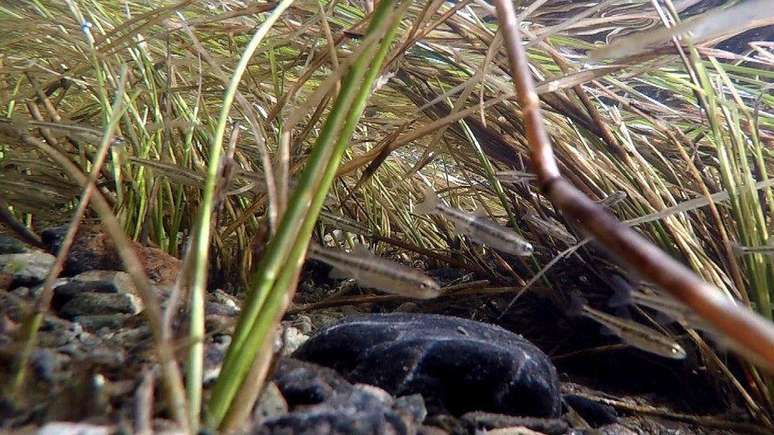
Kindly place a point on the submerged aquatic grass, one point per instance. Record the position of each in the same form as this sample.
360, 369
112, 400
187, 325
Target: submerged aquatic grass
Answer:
684, 134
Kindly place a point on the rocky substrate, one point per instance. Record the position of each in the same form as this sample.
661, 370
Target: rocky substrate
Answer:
368, 373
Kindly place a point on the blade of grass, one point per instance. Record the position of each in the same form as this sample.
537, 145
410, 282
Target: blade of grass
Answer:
32, 324
240, 355
204, 224
753, 334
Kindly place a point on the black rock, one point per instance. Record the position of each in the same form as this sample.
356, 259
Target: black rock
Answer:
596, 414
86, 304
302, 383
355, 412
25, 269
322, 402
72, 289
458, 365
9, 245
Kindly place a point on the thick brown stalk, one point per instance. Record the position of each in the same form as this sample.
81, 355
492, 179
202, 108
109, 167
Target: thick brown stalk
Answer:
749, 333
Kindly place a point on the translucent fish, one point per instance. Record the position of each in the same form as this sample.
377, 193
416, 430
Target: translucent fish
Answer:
76, 131
551, 229
372, 271
613, 199
707, 26
516, 177
343, 223
663, 303
478, 228
635, 334
745, 250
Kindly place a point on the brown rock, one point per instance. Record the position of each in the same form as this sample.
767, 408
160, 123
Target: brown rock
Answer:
94, 250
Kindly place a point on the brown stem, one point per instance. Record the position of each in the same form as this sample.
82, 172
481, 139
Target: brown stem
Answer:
752, 335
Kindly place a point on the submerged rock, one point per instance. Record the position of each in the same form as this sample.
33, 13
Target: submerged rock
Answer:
97, 299
9, 245
478, 422
100, 304
92, 249
25, 269
322, 402
458, 365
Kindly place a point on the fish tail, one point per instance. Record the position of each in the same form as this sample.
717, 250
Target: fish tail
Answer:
740, 250
430, 202
622, 292
577, 303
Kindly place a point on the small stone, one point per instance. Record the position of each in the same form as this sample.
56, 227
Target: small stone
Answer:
220, 297
304, 383
486, 421
108, 281
67, 428
346, 411
100, 303
289, 340
26, 269
413, 406
9, 245
214, 353
95, 281
270, 404
45, 363
516, 430
95, 322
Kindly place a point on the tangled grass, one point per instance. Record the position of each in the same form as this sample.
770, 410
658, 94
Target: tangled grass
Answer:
668, 127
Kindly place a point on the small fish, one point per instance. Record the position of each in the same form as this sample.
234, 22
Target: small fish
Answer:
551, 229
671, 307
372, 271
76, 131
707, 26
343, 223
674, 309
635, 334
613, 199
746, 250
515, 177
476, 227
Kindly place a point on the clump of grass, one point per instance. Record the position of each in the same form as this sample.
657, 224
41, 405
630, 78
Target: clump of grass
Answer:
667, 128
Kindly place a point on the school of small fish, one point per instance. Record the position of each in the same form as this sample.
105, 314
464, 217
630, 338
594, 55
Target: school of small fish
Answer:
372, 271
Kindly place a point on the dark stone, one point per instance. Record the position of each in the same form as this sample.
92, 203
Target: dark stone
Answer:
357, 411
25, 269
458, 365
95, 281
303, 383
596, 414
70, 290
9, 245
86, 304
322, 402
485, 421
96, 322
45, 363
